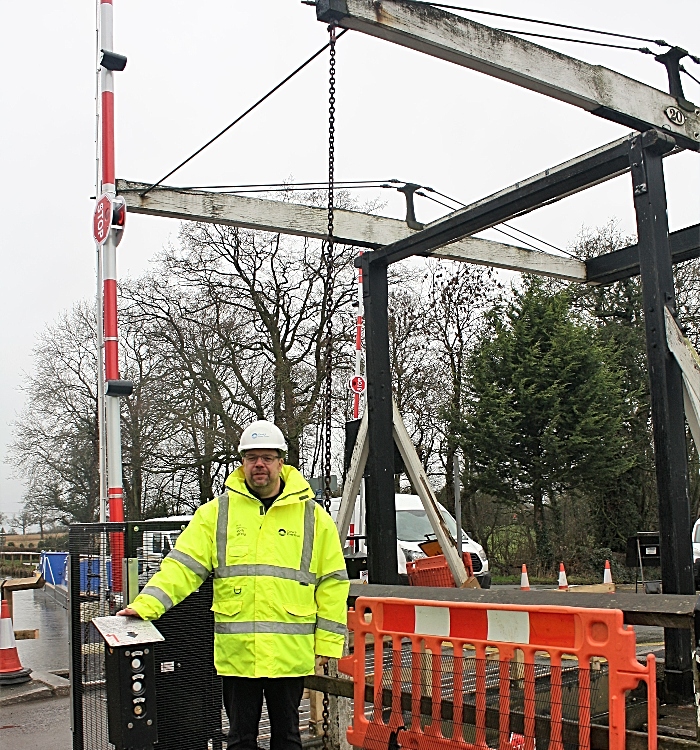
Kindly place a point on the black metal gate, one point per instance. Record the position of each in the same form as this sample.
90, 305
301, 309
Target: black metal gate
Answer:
188, 688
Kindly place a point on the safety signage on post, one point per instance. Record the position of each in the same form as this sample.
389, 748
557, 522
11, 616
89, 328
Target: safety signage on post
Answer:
102, 219
358, 384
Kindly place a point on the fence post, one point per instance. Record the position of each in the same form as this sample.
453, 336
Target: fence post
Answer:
340, 713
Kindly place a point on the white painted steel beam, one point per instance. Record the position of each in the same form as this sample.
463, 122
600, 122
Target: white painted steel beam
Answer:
459, 40
421, 483
419, 480
353, 480
351, 227
688, 360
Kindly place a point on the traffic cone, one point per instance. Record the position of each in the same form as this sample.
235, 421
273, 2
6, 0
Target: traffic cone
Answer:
607, 575
11, 670
524, 580
563, 583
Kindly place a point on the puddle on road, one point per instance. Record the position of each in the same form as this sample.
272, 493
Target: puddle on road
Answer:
37, 609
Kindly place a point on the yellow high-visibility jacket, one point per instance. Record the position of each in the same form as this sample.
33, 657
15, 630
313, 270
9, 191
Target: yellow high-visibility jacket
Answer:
280, 583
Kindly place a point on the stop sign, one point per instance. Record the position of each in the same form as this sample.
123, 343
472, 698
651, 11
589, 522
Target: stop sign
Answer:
358, 384
102, 220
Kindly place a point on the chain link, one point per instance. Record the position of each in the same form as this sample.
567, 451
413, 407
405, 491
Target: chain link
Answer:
328, 262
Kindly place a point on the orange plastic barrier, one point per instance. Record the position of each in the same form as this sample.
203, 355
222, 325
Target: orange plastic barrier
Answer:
470, 675
434, 571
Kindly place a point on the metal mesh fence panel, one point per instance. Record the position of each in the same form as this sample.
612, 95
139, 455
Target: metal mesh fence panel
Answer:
188, 689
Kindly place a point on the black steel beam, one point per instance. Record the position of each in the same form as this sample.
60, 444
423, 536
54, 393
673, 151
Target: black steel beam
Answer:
666, 388
75, 549
379, 471
556, 183
623, 263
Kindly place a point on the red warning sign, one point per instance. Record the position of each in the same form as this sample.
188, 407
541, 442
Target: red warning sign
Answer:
358, 384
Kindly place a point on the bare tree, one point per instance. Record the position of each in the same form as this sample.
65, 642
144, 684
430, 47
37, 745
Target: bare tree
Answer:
457, 297
40, 505
266, 305
56, 434
23, 520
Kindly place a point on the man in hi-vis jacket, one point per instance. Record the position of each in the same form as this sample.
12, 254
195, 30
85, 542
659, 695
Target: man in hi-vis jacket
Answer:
280, 587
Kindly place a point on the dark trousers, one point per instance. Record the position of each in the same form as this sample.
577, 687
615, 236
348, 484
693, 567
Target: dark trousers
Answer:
243, 698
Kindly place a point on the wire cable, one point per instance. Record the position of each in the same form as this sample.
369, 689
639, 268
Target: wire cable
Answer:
240, 117
282, 189
505, 224
690, 75
517, 239
659, 42
643, 50
285, 185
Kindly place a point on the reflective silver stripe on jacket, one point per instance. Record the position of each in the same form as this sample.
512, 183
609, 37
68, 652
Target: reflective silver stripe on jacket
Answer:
283, 628
275, 571
309, 531
190, 563
339, 575
158, 594
292, 574
222, 530
331, 626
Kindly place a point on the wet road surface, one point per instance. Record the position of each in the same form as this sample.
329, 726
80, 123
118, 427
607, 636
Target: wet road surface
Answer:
37, 609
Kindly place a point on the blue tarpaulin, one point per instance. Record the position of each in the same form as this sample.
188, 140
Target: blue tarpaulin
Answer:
54, 569
90, 575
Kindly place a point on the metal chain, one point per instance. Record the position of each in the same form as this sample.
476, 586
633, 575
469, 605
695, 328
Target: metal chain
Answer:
328, 261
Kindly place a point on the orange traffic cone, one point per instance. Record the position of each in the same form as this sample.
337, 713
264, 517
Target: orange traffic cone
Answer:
524, 580
607, 575
563, 583
11, 670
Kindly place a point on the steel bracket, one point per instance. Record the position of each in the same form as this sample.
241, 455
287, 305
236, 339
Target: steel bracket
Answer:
331, 10
653, 141
671, 60
409, 190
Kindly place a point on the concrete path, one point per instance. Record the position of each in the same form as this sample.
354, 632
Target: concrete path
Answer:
37, 724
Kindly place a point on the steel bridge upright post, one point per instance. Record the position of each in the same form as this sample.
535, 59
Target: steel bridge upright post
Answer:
666, 386
379, 477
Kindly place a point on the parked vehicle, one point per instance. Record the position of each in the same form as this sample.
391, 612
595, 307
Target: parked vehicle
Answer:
156, 545
413, 527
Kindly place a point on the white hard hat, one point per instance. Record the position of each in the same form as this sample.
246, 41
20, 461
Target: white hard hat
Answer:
262, 434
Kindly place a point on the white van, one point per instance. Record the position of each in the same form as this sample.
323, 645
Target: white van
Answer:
413, 527
156, 545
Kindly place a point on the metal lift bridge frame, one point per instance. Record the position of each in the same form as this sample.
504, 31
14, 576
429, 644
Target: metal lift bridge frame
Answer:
665, 123
671, 123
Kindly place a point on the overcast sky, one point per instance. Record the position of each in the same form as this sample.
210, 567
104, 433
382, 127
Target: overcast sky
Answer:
192, 67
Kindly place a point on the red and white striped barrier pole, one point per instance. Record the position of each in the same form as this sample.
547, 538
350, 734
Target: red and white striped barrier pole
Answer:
358, 343
115, 492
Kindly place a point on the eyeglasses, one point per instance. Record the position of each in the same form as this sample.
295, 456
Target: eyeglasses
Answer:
267, 460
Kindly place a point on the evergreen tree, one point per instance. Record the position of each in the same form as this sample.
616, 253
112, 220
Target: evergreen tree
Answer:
547, 413
627, 504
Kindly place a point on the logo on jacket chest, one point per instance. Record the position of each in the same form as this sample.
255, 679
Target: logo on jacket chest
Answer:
288, 532
240, 530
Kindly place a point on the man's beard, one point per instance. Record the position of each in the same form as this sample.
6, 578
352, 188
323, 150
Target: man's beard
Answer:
261, 480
